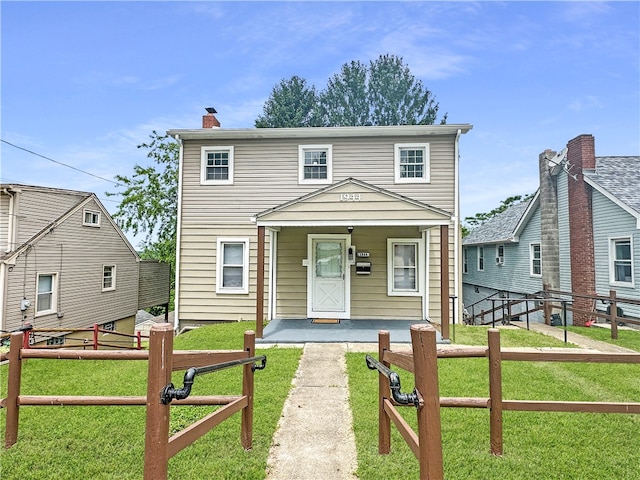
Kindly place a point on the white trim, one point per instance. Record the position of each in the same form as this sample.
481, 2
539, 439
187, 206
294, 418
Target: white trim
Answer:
478, 256
3, 294
92, 212
612, 258
54, 294
457, 238
302, 149
273, 275
244, 289
113, 277
347, 223
203, 164
426, 168
499, 258
613, 198
176, 320
419, 290
532, 258
311, 313
426, 238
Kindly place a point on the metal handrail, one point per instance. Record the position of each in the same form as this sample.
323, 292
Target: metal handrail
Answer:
170, 392
394, 383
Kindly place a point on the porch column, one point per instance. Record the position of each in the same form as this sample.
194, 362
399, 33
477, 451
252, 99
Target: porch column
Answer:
260, 284
444, 281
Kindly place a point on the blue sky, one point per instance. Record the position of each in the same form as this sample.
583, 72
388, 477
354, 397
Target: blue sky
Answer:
85, 82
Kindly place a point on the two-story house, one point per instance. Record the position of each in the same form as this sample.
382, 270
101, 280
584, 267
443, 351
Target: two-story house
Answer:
66, 264
327, 222
580, 233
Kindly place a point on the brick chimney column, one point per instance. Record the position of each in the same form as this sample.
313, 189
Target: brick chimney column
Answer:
209, 120
581, 154
549, 233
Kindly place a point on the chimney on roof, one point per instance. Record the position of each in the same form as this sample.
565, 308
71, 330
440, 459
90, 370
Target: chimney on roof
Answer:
209, 120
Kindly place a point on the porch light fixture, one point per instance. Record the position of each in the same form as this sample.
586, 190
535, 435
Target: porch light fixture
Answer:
350, 229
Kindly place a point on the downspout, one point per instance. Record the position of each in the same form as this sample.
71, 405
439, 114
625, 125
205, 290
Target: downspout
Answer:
4, 277
12, 219
176, 319
456, 225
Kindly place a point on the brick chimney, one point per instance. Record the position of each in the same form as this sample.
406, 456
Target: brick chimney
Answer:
549, 233
580, 155
209, 120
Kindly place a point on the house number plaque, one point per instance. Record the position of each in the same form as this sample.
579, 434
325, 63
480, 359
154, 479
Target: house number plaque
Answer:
350, 197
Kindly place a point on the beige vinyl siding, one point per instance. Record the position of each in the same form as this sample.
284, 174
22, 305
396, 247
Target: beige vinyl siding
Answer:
77, 255
153, 274
4, 221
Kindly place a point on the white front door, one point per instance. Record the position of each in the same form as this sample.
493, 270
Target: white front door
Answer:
328, 277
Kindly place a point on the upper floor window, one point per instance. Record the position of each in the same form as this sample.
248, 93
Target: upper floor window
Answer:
315, 163
403, 266
91, 218
480, 258
232, 265
412, 163
621, 261
55, 341
216, 165
47, 293
465, 260
499, 254
108, 277
535, 260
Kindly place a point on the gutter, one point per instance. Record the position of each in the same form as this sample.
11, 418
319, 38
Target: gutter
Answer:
456, 221
176, 321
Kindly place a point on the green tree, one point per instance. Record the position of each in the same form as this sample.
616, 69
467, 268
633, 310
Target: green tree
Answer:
383, 93
479, 218
292, 103
150, 200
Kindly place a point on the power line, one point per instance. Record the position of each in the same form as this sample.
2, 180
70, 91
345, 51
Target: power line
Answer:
60, 163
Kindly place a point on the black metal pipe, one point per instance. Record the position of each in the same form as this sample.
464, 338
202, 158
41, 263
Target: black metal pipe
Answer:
170, 392
394, 383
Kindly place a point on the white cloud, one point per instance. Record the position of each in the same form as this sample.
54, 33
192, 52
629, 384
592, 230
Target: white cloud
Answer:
587, 102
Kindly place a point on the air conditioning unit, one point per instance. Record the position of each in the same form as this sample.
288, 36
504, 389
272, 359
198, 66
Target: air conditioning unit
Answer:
499, 261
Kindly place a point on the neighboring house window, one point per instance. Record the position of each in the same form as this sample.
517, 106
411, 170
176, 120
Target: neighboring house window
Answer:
216, 165
403, 266
47, 293
55, 341
109, 326
412, 163
499, 254
465, 260
621, 261
108, 277
91, 218
315, 163
233, 265
535, 257
480, 259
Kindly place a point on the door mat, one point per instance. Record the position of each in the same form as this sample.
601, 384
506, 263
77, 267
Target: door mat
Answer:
325, 320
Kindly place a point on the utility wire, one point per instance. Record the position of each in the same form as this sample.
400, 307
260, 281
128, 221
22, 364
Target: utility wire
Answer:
60, 163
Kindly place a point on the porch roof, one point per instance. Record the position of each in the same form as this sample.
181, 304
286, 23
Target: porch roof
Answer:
352, 202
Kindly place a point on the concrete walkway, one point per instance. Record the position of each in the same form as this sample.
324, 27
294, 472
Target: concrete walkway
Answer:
576, 339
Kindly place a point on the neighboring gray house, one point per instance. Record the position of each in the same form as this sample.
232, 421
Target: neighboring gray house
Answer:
580, 233
66, 264
331, 223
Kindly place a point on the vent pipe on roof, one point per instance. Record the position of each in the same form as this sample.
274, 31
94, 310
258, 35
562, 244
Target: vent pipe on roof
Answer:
209, 120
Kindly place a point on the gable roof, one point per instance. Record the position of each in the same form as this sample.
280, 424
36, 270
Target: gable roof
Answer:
617, 178
504, 227
352, 202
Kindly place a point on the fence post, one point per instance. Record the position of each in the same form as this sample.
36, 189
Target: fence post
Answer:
156, 456
246, 435
546, 306
425, 361
139, 340
95, 336
384, 422
613, 310
495, 391
13, 389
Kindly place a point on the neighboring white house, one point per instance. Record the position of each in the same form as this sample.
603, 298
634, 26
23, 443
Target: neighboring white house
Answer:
66, 264
326, 222
580, 233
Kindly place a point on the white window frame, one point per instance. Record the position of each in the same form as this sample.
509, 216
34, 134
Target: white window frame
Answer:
94, 214
302, 149
500, 254
426, 168
480, 251
113, 278
221, 242
203, 165
532, 259
55, 341
53, 293
109, 327
465, 259
391, 290
613, 260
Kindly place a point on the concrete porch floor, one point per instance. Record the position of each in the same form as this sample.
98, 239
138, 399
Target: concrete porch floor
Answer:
347, 331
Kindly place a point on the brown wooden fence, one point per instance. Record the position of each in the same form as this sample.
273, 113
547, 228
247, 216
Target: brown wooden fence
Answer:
162, 360
426, 444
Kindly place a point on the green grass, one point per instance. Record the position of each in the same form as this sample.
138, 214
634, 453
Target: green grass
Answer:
537, 445
626, 338
108, 442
